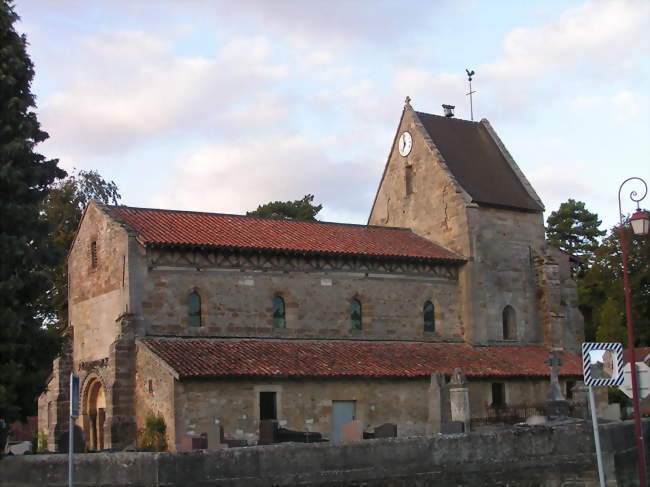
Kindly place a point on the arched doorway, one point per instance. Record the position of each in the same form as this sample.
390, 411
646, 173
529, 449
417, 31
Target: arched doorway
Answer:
95, 415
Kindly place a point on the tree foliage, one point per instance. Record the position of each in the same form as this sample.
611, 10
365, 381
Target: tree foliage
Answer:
63, 209
26, 348
602, 299
302, 209
574, 229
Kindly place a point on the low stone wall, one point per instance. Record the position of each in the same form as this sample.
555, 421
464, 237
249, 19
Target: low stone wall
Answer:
546, 457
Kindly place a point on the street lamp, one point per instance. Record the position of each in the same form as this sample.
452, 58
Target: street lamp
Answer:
640, 222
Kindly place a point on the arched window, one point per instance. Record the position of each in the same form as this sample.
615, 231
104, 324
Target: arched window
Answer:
429, 316
509, 323
355, 314
194, 309
279, 317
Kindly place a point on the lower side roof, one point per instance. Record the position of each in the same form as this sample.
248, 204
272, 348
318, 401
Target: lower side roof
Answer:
212, 357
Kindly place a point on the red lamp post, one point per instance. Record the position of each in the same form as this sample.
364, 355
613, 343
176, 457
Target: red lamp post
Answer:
640, 222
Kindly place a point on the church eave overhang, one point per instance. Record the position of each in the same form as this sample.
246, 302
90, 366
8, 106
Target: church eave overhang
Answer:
306, 254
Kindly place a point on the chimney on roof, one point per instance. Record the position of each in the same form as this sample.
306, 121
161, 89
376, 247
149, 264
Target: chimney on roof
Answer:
449, 110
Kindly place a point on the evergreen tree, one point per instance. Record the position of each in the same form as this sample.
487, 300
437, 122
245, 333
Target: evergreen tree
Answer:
26, 348
63, 209
303, 209
574, 229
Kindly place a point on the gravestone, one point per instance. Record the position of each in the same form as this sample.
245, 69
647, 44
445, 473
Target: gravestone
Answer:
438, 403
352, 431
459, 399
556, 404
79, 440
386, 430
268, 432
194, 442
452, 427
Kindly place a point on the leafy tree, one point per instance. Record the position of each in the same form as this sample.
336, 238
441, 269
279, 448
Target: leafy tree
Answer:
574, 229
63, 209
26, 348
303, 209
601, 295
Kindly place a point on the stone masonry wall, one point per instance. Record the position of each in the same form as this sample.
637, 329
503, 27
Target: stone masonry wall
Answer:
54, 402
97, 296
546, 457
502, 246
154, 391
317, 304
303, 405
497, 242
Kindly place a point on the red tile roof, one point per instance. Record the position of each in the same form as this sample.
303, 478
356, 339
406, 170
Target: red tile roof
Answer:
234, 231
640, 354
206, 357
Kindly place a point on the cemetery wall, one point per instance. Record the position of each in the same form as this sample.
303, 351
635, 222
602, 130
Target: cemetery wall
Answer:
538, 456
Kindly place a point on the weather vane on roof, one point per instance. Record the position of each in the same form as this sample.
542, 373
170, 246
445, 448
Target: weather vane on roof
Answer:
471, 106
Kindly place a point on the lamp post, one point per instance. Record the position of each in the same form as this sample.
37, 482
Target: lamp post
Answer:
640, 222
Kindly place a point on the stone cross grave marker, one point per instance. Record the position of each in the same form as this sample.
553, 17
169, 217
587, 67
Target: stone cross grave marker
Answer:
556, 404
554, 392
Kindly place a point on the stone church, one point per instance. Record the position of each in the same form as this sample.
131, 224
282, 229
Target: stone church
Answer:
224, 320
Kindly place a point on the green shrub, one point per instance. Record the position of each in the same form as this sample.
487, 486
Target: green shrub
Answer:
41, 441
153, 437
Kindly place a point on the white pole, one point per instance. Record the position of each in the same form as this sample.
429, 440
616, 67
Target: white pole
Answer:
594, 422
71, 437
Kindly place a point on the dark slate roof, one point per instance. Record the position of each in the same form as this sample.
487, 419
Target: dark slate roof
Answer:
216, 357
190, 228
478, 164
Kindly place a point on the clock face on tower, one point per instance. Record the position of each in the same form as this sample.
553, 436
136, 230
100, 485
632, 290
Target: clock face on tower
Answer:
405, 144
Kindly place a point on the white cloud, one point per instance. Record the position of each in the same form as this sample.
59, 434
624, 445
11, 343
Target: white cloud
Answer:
236, 178
133, 88
596, 36
627, 105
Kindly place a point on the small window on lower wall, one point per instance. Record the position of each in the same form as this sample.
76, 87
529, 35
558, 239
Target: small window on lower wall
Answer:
498, 394
268, 406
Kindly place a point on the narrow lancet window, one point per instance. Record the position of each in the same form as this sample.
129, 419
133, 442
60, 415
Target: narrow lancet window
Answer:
279, 318
408, 179
429, 315
509, 323
355, 314
194, 309
93, 254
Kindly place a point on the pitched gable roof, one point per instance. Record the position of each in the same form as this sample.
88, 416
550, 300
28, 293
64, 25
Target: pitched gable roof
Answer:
478, 163
208, 357
187, 228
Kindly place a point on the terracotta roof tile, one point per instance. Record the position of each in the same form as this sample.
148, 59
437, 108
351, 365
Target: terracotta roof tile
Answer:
206, 357
640, 354
234, 231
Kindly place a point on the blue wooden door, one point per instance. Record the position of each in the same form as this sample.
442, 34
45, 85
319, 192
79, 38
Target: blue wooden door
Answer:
342, 413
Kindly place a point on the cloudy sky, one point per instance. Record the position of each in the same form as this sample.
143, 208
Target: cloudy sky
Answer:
222, 105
